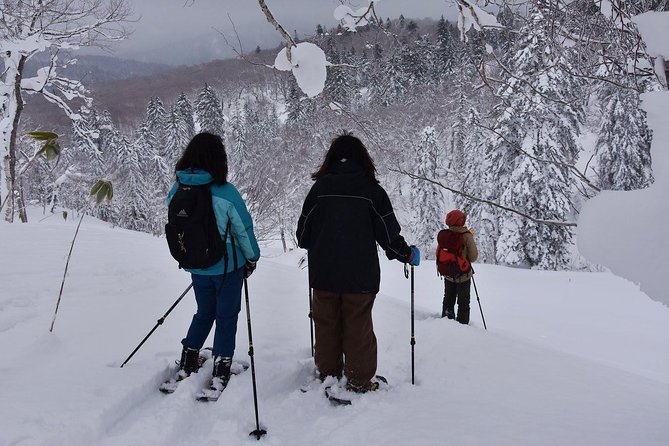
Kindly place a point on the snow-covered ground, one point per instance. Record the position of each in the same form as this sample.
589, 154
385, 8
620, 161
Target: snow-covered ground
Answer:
568, 358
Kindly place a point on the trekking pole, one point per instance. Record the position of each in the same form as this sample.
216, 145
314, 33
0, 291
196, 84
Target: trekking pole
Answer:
479, 301
160, 321
413, 337
258, 432
311, 320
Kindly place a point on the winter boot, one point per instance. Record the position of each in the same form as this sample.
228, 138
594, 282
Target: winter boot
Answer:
463, 315
371, 386
221, 373
190, 361
448, 312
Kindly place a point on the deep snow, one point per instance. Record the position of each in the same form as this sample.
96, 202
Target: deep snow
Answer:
569, 358
627, 230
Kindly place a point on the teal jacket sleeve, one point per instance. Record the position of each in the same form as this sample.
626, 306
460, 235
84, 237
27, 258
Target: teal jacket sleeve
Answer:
229, 206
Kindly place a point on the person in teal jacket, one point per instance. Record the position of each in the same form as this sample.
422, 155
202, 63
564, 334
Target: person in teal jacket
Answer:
218, 289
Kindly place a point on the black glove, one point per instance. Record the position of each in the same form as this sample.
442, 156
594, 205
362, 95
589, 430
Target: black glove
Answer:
249, 268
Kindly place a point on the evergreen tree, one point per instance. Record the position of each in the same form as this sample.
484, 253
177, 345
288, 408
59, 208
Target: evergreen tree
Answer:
110, 144
444, 56
177, 136
209, 112
185, 111
240, 148
503, 40
391, 83
541, 118
623, 142
296, 108
156, 120
132, 205
427, 199
482, 218
340, 83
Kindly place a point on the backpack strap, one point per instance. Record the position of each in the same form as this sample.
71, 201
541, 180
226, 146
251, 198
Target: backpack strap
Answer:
225, 252
234, 250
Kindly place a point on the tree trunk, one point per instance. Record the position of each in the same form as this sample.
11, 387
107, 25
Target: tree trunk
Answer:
12, 152
21, 205
283, 240
666, 60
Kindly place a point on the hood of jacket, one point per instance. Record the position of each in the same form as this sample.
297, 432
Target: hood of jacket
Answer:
194, 177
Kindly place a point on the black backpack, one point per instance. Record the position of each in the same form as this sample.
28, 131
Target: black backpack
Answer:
191, 229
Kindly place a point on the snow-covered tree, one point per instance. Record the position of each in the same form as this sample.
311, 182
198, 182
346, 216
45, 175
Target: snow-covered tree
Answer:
178, 134
184, 110
426, 198
534, 140
340, 84
390, 84
132, 195
32, 27
444, 52
623, 142
209, 112
482, 218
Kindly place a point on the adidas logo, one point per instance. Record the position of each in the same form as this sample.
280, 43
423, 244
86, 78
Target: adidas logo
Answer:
182, 213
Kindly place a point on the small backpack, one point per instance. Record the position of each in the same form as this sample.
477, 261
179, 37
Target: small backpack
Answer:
450, 262
191, 229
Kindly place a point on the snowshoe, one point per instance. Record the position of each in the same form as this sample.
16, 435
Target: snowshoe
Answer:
223, 369
339, 395
191, 362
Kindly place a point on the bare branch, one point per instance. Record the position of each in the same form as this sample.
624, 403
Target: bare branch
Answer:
518, 148
488, 202
286, 36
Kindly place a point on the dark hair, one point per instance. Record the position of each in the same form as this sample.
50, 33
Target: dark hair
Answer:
347, 147
207, 152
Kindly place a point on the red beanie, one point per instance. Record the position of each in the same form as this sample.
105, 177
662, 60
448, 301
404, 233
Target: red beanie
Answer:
456, 218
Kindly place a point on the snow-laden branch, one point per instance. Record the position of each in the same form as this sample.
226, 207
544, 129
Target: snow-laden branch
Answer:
518, 148
471, 16
351, 19
414, 176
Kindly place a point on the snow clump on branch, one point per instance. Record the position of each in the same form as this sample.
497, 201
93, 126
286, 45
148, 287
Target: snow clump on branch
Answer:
308, 65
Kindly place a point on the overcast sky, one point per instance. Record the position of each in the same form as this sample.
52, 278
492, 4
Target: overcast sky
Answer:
185, 31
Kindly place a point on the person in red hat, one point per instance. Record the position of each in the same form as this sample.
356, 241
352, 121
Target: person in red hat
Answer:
456, 250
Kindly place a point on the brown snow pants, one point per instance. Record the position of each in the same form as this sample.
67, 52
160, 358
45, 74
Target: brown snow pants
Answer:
345, 340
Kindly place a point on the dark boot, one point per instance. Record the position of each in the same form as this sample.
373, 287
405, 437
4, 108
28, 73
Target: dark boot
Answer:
221, 373
372, 386
448, 304
448, 312
463, 302
190, 360
463, 315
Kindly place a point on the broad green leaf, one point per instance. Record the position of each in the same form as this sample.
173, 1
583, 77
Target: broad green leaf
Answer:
102, 191
50, 150
42, 136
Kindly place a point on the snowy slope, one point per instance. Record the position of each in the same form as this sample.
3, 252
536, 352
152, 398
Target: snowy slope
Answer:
569, 358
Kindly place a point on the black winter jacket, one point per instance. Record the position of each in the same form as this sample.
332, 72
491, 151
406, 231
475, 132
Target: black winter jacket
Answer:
343, 217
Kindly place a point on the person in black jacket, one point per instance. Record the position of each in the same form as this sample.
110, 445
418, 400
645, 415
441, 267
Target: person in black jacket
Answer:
344, 216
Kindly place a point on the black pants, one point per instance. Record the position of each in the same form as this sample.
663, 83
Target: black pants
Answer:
460, 292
